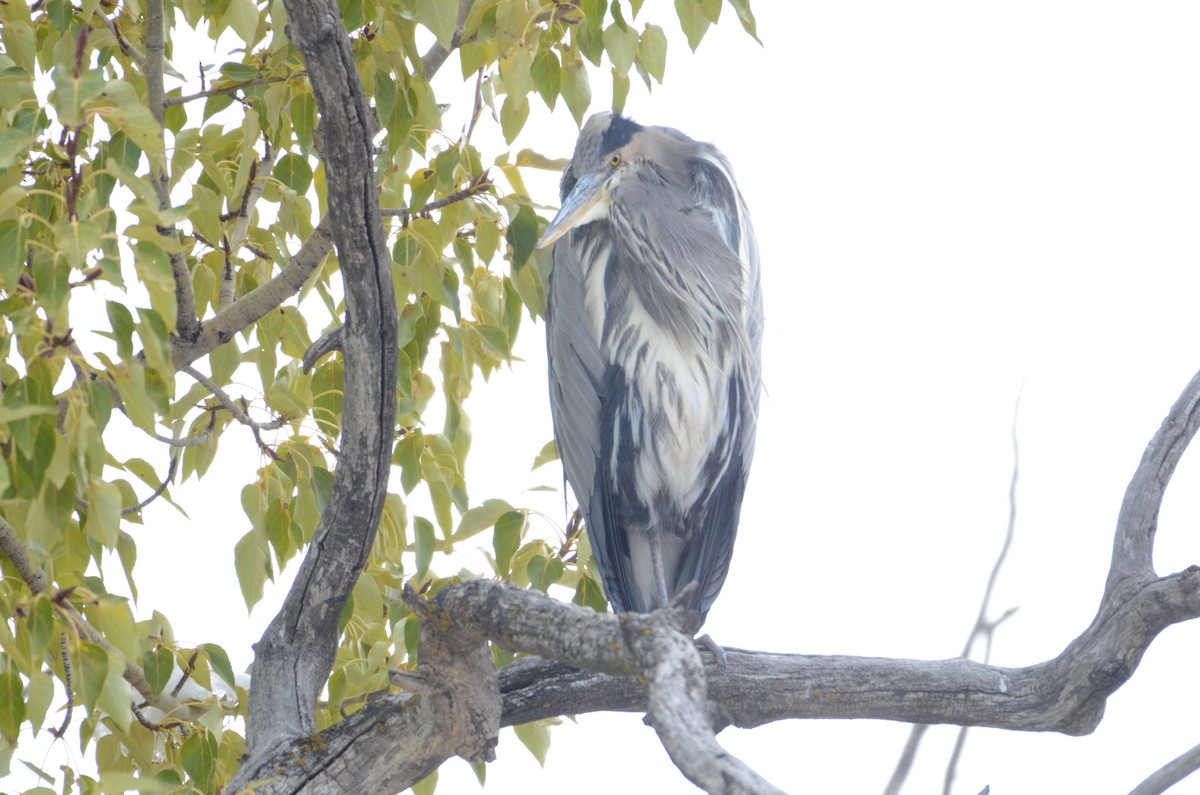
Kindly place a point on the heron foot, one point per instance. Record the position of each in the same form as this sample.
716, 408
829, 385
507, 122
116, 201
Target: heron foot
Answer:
706, 642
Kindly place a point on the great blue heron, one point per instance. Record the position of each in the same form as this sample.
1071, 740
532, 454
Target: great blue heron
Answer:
654, 324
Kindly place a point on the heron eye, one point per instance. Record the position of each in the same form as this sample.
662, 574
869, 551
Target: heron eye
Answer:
615, 161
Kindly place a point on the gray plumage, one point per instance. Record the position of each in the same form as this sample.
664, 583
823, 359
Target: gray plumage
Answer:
654, 327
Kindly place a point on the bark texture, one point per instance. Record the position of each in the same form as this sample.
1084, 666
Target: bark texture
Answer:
296, 653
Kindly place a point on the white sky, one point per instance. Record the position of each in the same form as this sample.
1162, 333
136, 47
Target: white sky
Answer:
952, 200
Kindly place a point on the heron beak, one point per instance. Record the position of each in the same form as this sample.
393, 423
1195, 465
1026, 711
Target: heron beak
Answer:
587, 202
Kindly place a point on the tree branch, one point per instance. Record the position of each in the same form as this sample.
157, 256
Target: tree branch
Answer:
598, 660
1170, 774
187, 324
258, 302
296, 652
231, 405
433, 59
1133, 548
38, 583
984, 627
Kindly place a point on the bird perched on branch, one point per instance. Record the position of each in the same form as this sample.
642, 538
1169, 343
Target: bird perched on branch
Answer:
654, 325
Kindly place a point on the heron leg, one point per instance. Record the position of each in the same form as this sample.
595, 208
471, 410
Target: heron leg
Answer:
660, 576
706, 641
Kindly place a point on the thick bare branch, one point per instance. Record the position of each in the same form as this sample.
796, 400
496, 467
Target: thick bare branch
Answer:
296, 652
678, 705
1133, 548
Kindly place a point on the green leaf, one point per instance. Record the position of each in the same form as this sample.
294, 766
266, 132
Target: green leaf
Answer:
158, 665
12, 705
620, 90
90, 667
11, 246
219, 661
427, 785
547, 76
507, 539
251, 565
426, 542
480, 518
12, 414
40, 625
513, 114
536, 737
487, 240
516, 71
77, 239
621, 43
652, 51
104, 512
746, 17
72, 93
522, 234
130, 115
294, 171
51, 274
548, 453
242, 16
440, 16
10, 196
37, 703
693, 20
576, 90
200, 753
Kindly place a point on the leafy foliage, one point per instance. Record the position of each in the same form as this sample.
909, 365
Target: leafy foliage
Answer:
136, 218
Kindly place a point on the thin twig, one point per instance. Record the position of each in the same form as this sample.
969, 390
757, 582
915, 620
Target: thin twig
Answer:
983, 628
142, 719
230, 90
480, 183
187, 673
191, 441
61, 731
157, 492
136, 55
231, 405
907, 757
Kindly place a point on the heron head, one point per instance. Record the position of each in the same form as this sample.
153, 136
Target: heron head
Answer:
596, 166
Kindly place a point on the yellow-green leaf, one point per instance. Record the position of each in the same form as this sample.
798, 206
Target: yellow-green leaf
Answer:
104, 512
536, 737
158, 664
12, 705
72, 93
652, 51
440, 16
480, 518
507, 539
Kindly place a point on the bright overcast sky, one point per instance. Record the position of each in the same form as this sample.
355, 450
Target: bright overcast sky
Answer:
953, 200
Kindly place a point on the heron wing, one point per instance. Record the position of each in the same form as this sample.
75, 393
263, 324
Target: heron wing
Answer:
580, 386
692, 251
